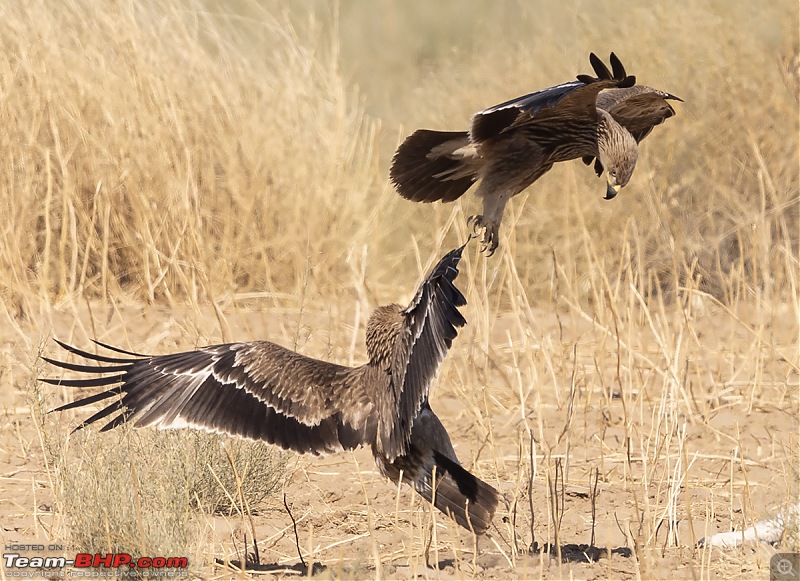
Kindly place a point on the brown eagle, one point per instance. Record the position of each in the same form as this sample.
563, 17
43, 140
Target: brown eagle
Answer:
511, 145
262, 391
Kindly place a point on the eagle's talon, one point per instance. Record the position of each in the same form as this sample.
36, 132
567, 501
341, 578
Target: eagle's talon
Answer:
475, 222
490, 243
489, 239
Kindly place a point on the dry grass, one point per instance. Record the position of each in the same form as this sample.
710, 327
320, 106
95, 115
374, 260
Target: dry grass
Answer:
176, 174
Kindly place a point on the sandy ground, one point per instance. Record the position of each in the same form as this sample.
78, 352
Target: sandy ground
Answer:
732, 462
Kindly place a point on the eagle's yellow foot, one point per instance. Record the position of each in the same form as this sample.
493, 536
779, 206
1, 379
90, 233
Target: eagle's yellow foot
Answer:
491, 236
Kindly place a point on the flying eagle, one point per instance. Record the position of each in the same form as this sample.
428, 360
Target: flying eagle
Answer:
511, 145
262, 391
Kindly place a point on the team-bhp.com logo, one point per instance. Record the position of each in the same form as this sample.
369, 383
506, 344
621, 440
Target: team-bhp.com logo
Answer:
155, 566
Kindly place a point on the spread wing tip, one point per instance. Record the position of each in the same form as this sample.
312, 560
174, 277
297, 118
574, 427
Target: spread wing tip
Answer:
447, 267
617, 72
599, 67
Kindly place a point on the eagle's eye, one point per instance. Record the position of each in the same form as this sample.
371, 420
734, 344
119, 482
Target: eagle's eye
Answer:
613, 173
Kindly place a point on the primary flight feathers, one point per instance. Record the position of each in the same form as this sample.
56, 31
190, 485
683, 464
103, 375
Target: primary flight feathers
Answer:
262, 391
511, 145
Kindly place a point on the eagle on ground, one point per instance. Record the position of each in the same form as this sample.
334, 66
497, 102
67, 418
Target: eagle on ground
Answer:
263, 391
511, 145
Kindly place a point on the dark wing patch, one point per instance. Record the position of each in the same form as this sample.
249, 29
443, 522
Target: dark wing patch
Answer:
572, 100
431, 322
494, 120
216, 389
293, 384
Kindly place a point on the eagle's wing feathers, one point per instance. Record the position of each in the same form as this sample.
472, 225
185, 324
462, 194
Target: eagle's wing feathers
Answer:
255, 390
430, 323
569, 102
639, 108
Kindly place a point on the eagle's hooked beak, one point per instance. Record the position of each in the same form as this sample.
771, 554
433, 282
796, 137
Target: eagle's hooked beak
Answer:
612, 190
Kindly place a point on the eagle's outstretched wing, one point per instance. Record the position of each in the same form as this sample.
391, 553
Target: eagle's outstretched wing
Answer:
429, 325
638, 109
263, 391
257, 390
562, 105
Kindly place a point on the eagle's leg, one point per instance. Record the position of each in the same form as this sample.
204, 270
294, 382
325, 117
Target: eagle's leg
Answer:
494, 202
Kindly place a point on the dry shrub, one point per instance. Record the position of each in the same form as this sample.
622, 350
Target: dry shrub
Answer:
126, 492
143, 491
138, 491
216, 488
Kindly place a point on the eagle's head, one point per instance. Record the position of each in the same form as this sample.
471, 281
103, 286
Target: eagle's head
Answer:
617, 152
